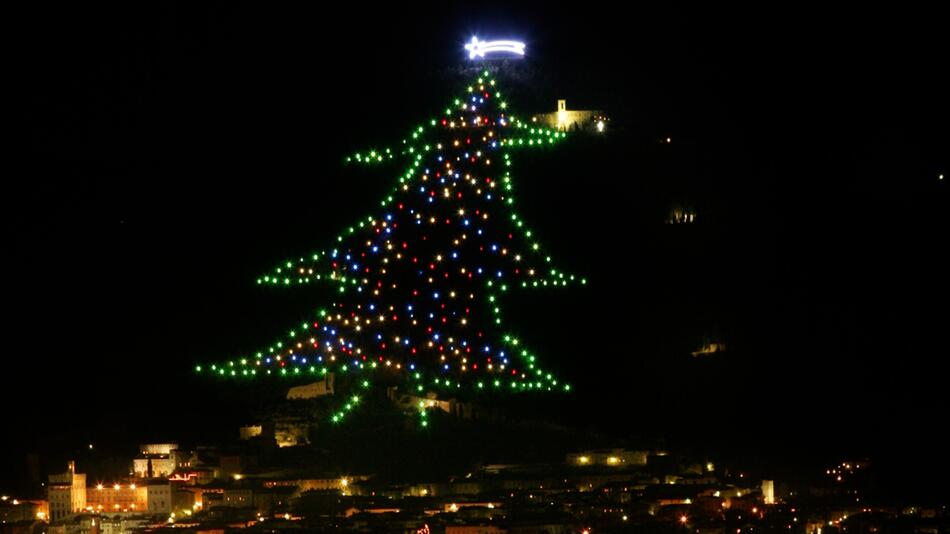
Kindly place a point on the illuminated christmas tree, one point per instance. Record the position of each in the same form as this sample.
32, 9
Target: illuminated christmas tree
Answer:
420, 280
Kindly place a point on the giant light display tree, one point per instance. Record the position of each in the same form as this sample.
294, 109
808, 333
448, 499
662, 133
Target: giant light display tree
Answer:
419, 280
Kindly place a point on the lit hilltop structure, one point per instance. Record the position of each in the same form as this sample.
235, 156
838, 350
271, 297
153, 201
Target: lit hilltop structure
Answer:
419, 281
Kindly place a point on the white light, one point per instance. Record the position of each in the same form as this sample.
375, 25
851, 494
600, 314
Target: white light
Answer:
478, 48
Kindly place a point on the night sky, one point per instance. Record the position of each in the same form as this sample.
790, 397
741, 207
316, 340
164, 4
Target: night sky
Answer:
162, 158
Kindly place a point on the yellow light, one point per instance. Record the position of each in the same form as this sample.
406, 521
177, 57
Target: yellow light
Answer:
683, 519
613, 460
238, 477
583, 460
132, 486
99, 486
344, 482
116, 487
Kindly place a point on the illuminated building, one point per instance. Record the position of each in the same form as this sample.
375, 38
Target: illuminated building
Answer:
607, 457
66, 493
313, 390
768, 491
149, 497
565, 119
159, 460
14, 511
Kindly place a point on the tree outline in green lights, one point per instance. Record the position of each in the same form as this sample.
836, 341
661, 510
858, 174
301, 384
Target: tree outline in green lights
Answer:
419, 282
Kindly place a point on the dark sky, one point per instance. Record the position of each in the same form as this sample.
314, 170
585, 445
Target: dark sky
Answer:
162, 157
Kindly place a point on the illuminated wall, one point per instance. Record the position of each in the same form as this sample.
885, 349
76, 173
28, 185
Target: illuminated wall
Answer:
312, 391
158, 448
161, 467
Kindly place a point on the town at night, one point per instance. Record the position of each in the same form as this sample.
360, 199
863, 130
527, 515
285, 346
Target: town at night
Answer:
475, 269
